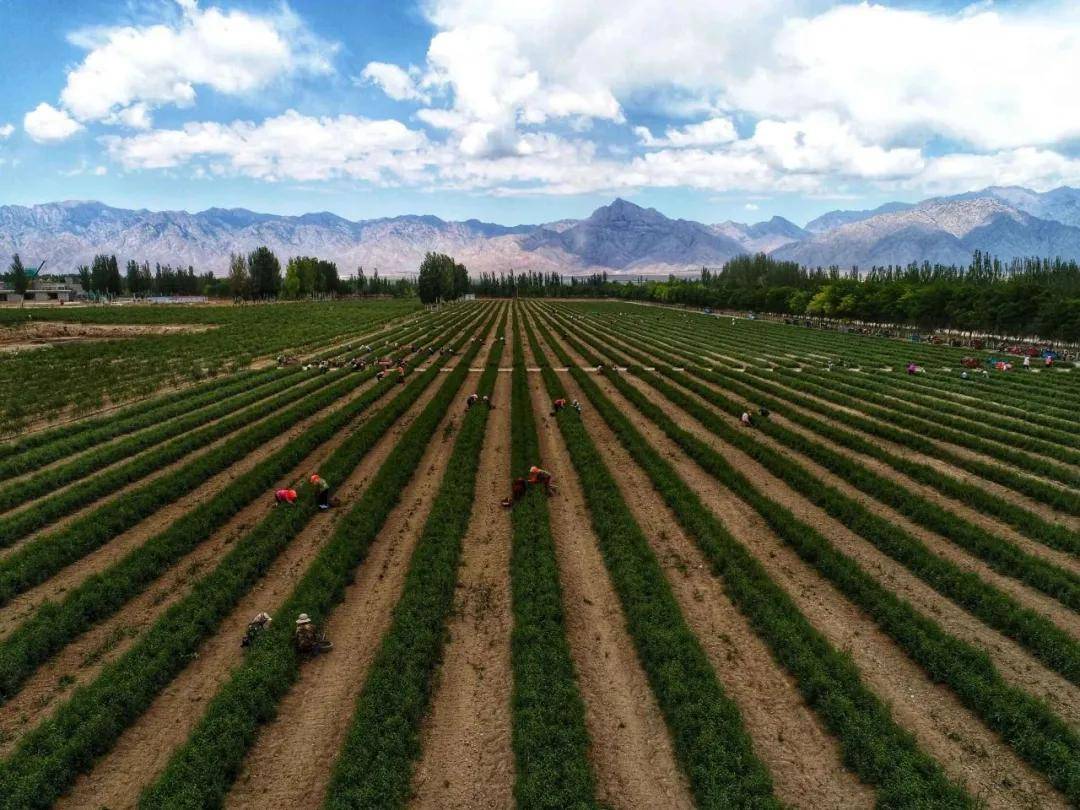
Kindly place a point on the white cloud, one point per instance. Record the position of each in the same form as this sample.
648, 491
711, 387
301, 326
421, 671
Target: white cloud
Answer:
396, 83
289, 146
46, 124
130, 70
706, 133
751, 207
100, 171
5, 131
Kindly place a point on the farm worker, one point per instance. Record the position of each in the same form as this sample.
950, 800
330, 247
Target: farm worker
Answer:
963, 375
539, 476
487, 401
911, 368
517, 492
307, 638
1027, 361
322, 490
471, 400
764, 412
745, 419
287, 496
380, 375
1049, 361
401, 374
576, 406
261, 622
558, 404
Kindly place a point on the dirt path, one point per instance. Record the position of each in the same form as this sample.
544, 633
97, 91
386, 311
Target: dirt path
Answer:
289, 764
1042, 510
630, 749
804, 759
943, 467
949, 732
81, 660
123, 543
144, 748
1066, 618
467, 760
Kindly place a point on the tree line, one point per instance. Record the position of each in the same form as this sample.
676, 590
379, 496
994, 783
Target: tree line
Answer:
1032, 296
254, 276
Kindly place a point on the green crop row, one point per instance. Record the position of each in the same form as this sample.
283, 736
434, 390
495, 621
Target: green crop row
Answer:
879, 751
84, 375
1027, 724
47, 759
219, 406
1004, 557
1051, 534
38, 449
44, 556
711, 744
54, 624
374, 766
200, 772
1052, 645
868, 391
747, 340
550, 739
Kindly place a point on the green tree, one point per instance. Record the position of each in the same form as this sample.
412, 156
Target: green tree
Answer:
265, 271
84, 277
20, 281
114, 285
436, 278
291, 287
99, 275
239, 280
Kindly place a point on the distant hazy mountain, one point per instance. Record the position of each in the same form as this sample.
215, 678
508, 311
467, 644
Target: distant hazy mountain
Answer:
617, 238
763, 237
944, 230
834, 219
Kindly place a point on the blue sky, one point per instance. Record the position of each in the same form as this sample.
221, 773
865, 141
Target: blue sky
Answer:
510, 112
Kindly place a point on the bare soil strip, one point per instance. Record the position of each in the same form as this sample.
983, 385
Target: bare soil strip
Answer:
631, 750
969, 752
123, 543
467, 760
289, 764
143, 750
81, 660
805, 760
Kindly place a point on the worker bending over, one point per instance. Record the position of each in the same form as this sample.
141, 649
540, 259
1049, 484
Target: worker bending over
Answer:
286, 496
471, 400
255, 628
558, 405
518, 488
539, 476
307, 638
322, 490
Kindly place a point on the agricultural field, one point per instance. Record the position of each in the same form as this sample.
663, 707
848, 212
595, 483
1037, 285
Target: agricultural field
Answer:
869, 596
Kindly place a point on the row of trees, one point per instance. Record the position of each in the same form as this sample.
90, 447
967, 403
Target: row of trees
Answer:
441, 279
1021, 297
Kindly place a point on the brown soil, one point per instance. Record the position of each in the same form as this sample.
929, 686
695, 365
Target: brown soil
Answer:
630, 749
143, 750
123, 543
85, 656
805, 761
1058, 558
1044, 511
467, 760
290, 762
40, 334
949, 732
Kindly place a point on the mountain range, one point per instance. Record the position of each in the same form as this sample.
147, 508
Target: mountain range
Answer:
620, 238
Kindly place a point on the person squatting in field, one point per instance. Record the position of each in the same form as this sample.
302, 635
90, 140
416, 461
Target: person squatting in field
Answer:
539, 476
255, 628
285, 496
322, 490
307, 639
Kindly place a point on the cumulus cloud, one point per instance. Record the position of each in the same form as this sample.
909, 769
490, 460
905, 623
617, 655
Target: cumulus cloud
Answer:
289, 146
46, 124
131, 70
396, 83
5, 131
706, 133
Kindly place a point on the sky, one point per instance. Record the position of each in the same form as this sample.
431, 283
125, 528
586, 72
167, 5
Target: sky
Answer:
525, 112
